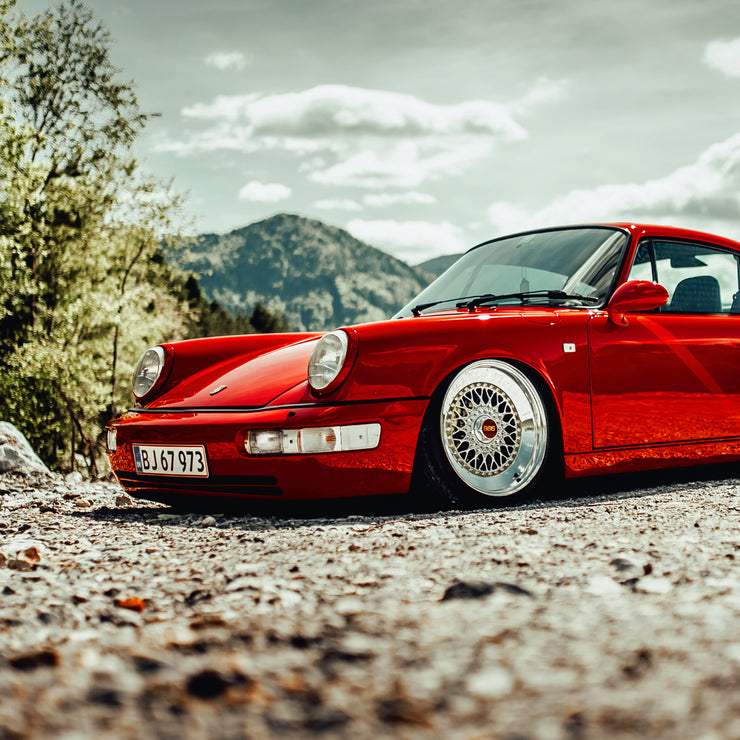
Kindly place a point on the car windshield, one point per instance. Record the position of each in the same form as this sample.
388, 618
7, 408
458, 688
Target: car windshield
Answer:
573, 266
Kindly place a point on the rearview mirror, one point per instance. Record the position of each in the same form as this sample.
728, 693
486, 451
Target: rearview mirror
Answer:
635, 295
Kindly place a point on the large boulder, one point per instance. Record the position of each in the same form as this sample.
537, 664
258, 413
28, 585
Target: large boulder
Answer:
16, 455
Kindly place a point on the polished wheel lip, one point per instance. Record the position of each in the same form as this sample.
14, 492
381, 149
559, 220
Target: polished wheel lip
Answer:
488, 467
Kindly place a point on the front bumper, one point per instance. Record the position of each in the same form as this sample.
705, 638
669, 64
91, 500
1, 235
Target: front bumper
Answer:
386, 469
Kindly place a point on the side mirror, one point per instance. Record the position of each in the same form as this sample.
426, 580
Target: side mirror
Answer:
635, 295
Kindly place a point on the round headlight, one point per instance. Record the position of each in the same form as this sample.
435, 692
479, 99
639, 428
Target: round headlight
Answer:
327, 360
148, 370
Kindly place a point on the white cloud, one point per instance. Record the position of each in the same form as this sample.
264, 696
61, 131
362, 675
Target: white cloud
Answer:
224, 60
724, 56
264, 192
544, 91
413, 241
404, 164
330, 109
704, 194
340, 204
380, 200
359, 137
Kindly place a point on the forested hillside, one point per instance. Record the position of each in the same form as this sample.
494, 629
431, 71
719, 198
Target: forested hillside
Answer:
317, 275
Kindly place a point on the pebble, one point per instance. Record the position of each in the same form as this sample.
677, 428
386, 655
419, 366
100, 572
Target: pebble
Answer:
556, 619
73, 479
491, 683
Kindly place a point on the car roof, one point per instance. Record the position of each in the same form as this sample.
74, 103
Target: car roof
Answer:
674, 232
639, 230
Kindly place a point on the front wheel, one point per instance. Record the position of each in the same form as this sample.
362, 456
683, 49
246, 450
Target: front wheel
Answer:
488, 436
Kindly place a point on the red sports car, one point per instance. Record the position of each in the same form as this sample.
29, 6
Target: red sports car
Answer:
577, 350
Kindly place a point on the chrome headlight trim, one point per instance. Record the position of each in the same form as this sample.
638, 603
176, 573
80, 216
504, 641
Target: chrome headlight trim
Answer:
327, 360
148, 370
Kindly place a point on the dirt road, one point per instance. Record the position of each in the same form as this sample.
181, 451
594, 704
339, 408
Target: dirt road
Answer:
609, 611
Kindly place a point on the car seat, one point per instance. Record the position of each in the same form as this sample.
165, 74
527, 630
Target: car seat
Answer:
697, 295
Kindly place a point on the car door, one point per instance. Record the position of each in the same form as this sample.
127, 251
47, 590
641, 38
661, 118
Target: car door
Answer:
671, 375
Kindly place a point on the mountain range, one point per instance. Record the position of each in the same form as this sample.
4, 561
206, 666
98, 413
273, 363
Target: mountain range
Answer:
316, 275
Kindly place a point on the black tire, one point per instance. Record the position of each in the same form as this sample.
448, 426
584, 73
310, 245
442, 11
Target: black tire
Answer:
486, 439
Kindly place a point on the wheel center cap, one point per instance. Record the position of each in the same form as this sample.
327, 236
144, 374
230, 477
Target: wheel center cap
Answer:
485, 429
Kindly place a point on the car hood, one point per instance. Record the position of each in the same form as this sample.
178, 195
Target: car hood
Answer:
253, 383
401, 358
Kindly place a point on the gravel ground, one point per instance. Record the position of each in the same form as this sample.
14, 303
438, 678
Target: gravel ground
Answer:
609, 610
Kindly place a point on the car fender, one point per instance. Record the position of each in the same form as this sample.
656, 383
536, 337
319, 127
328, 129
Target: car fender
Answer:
412, 358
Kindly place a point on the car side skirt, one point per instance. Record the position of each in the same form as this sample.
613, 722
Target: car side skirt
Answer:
636, 459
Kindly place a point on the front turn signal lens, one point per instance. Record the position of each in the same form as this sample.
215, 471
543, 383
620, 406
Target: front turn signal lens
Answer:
312, 440
111, 439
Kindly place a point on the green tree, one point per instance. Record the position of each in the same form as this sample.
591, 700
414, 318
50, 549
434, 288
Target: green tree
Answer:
210, 318
265, 321
85, 287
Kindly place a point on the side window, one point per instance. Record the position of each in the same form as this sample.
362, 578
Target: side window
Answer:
698, 279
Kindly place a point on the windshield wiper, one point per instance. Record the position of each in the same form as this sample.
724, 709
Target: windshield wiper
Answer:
416, 310
472, 302
552, 295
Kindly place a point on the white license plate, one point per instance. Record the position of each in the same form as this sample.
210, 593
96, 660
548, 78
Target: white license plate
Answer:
180, 460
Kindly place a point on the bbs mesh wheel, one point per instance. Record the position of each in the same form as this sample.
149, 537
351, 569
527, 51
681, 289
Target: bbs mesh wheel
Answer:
488, 436
481, 430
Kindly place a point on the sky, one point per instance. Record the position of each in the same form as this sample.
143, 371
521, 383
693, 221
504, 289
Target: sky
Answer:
424, 127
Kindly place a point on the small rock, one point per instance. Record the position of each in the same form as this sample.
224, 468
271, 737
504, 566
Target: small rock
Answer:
603, 586
322, 719
16, 454
134, 604
348, 605
399, 709
358, 644
462, 590
207, 684
146, 666
31, 554
32, 661
208, 521
622, 565
196, 596
26, 559
654, 585
73, 479
83, 503
123, 500
490, 683
104, 696
640, 663
16, 564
